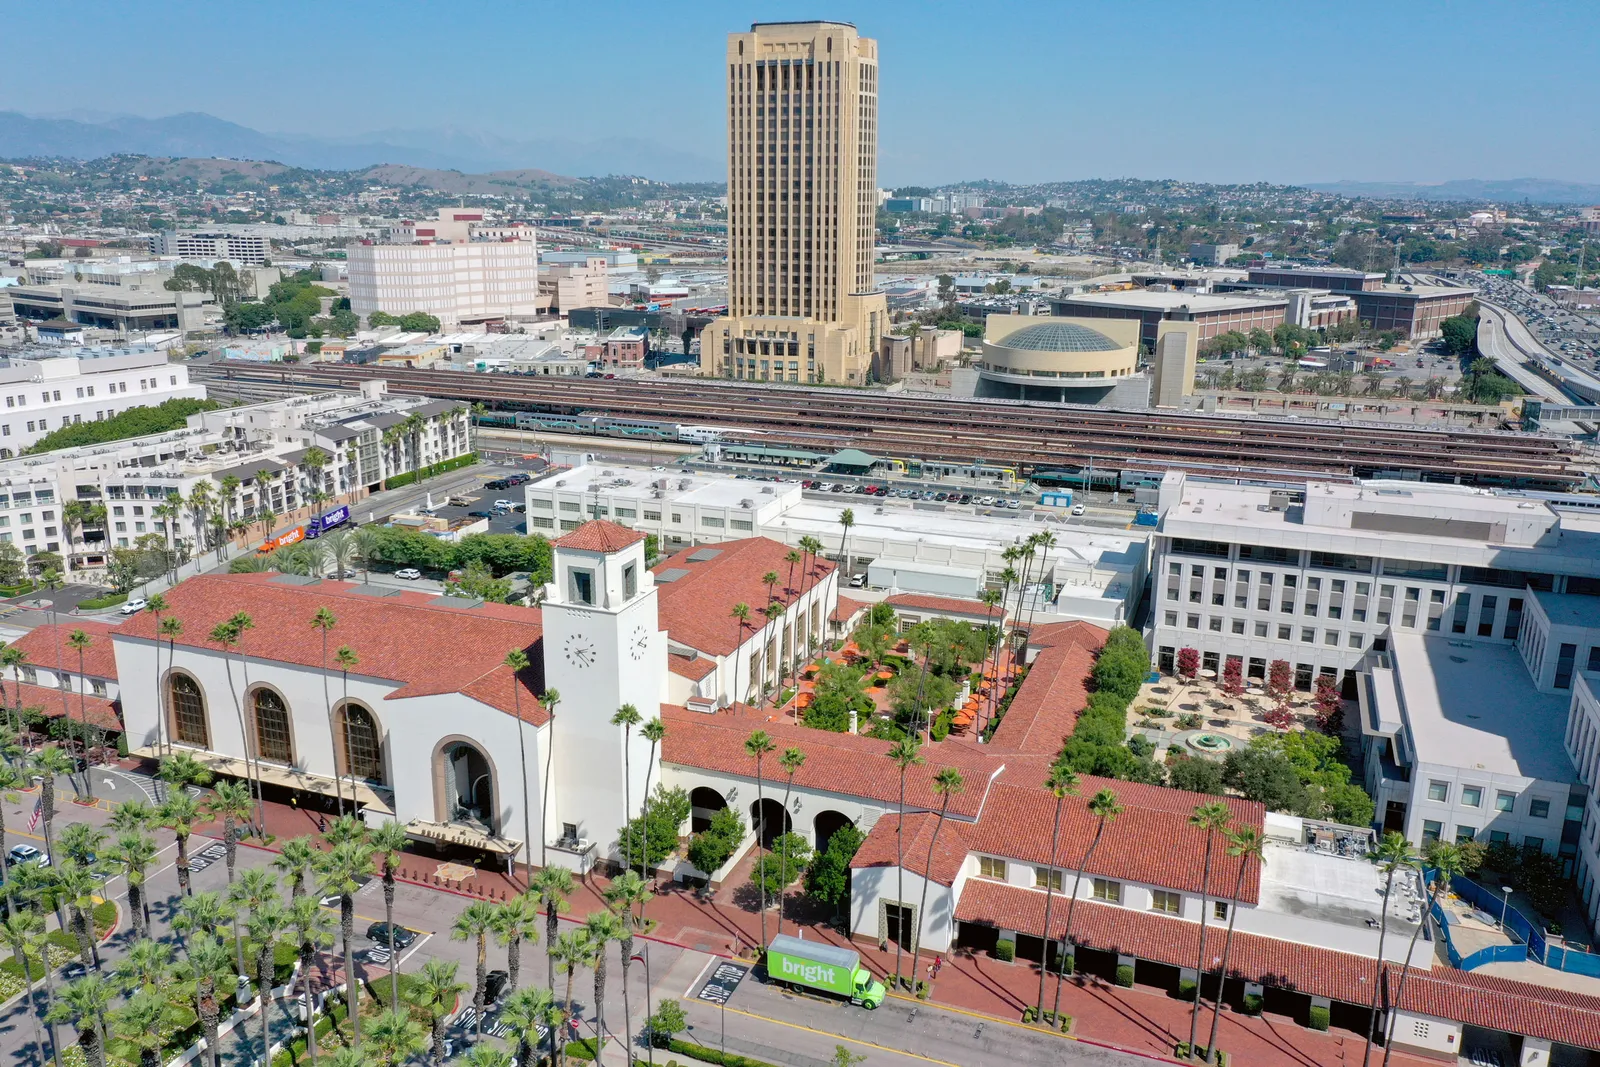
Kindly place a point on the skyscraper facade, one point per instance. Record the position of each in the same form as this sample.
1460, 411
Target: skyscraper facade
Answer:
802, 201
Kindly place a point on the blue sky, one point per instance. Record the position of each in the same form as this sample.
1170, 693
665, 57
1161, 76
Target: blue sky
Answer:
1021, 91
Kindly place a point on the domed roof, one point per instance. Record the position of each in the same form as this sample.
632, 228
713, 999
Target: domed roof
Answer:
1059, 337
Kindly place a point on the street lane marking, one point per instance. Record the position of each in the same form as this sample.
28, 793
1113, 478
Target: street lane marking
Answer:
841, 1037
688, 994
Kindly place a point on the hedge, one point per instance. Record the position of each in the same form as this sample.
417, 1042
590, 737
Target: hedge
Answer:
1005, 950
580, 1050
1181, 1050
711, 1055
429, 471
110, 600
1318, 1019
1252, 1003
1186, 988
1125, 975
1030, 1014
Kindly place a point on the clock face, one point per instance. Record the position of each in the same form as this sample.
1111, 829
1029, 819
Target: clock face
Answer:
579, 650
639, 643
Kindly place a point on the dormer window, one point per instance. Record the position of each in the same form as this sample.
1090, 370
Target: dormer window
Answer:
630, 581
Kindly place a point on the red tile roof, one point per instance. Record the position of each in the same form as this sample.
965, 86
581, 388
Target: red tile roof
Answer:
1442, 992
950, 851
427, 647
692, 669
837, 763
599, 535
44, 643
946, 605
694, 608
847, 609
104, 713
1046, 708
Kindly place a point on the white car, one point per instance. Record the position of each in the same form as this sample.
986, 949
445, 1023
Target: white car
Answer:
1013, 504
409, 574
133, 606
504, 505
1078, 509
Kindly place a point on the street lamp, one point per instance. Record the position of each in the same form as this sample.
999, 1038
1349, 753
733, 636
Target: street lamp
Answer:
649, 1039
1505, 901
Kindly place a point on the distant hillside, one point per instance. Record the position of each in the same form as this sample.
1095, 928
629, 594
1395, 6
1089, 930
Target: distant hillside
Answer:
454, 181
1537, 190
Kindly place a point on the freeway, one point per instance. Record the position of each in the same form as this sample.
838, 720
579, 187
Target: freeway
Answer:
1494, 343
1514, 344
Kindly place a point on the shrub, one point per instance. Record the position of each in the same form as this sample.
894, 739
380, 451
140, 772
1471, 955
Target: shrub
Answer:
1280, 679
1005, 950
1029, 1014
108, 601
1189, 720
1318, 1019
1125, 975
1186, 988
1181, 1050
580, 1050
668, 1021
711, 1055
1252, 1003
710, 849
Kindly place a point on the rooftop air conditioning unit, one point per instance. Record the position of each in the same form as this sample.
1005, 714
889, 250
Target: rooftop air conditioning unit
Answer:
704, 705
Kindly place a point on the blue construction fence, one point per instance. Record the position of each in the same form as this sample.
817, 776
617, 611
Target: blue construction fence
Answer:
1533, 944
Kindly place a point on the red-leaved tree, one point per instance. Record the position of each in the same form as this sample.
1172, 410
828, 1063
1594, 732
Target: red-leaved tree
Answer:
1330, 706
1280, 678
1188, 662
1279, 718
1233, 677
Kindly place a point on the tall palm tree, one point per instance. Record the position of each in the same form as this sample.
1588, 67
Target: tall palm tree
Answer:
230, 802
11, 780
50, 763
525, 1012
622, 894
552, 885
142, 1022
772, 613
1448, 862
551, 698
475, 924
347, 659
904, 753
14, 659
155, 604
200, 917
388, 841
791, 761
740, 614
396, 1037
436, 991
268, 920
209, 970
367, 541
653, 731
312, 929
84, 1004
1244, 844
254, 888
171, 629
756, 746
946, 784
1042, 543
80, 642
23, 930
790, 557
1104, 807
1208, 819
847, 519
990, 598
769, 579
517, 661
569, 952
148, 965
1062, 783
627, 717
602, 928
1393, 855
343, 869
230, 490
516, 921
181, 812
294, 861
135, 851
323, 621
226, 635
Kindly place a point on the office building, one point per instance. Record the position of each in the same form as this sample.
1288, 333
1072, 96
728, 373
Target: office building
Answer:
1211, 314
45, 391
1414, 311
454, 267
127, 308
240, 249
1212, 255
1041, 357
802, 198
569, 285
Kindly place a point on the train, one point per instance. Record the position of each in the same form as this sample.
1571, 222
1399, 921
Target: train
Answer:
1108, 478
596, 425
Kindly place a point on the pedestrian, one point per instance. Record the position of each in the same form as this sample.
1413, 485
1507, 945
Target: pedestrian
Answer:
322, 823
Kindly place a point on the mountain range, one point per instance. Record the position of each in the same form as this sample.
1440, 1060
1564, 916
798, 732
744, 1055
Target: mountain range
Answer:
1537, 190
90, 136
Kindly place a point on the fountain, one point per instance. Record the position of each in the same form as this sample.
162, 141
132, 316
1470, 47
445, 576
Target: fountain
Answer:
1209, 744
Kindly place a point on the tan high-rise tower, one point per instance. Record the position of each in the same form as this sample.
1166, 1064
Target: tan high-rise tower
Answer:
802, 202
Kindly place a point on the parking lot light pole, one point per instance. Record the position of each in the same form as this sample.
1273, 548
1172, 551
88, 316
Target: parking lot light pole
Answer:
649, 1038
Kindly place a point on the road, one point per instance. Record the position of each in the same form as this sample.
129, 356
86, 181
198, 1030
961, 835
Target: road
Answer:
1493, 342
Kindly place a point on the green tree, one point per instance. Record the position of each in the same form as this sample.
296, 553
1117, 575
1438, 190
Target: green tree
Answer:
435, 993
946, 784
1393, 856
552, 885
475, 924
904, 754
84, 1004
312, 928
525, 1012
1104, 807
1209, 819
1448, 861
1062, 784
388, 842
516, 921
1244, 844
342, 871
828, 876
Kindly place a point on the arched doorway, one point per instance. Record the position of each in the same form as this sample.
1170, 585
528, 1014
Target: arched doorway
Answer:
360, 744
188, 704
704, 802
271, 716
769, 819
824, 826
468, 786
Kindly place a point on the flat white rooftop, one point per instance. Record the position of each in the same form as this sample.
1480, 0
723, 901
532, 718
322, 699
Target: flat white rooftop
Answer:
1148, 300
1296, 880
637, 483
1472, 705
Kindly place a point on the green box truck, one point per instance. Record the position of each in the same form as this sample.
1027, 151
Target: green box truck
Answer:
826, 968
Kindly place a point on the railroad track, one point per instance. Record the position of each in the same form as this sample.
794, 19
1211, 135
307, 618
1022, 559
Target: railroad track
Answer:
1037, 436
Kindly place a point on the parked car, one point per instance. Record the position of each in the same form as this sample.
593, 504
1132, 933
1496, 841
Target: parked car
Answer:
408, 574
504, 505
24, 854
494, 983
497, 483
480, 514
518, 479
1078, 509
460, 501
132, 606
858, 581
1014, 505
378, 934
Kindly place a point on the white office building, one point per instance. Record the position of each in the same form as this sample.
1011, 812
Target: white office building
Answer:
457, 267
240, 249
42, 392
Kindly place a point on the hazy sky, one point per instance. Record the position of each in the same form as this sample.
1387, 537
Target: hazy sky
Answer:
1022, 91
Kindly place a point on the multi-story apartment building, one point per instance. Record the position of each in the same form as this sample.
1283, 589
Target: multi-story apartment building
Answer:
240, 249
1314, 573
448, 269
45, 391
802, 200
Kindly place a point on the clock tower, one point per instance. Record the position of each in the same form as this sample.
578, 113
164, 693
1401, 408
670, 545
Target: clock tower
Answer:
602, 649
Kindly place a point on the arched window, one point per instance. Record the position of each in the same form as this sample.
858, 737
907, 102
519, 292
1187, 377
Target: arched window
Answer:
272, 726
188, 712
358, 736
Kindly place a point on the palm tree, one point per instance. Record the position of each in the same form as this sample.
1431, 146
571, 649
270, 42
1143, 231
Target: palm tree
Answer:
756, 746
388, 841
1448, 862
230, 802
10, 781
200, 917
602, 928
552, 885
653, 732
343, 869
476, 923
517, 661
397, 1037
847, 519
791, 761
1104, 807
294, 862
135, 851
1042, 542
1208, 819
569, 952
552, 697
627, 717
946, 784
486, 1056
525, 1012
1393, 855
436, 991
227, 635
906, 752
515, 921
209, 969
50, 763
155, 604
257, 886
142, 1022
367, 541
80, 641
268, 920
1062, 784
181, 812
350, 1057
325, 620
171, 629
1245, 844
148, 965
346, 659
83, 1004
772, 612
622, 894
23, 930
740, 613
313, 929
14, 659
